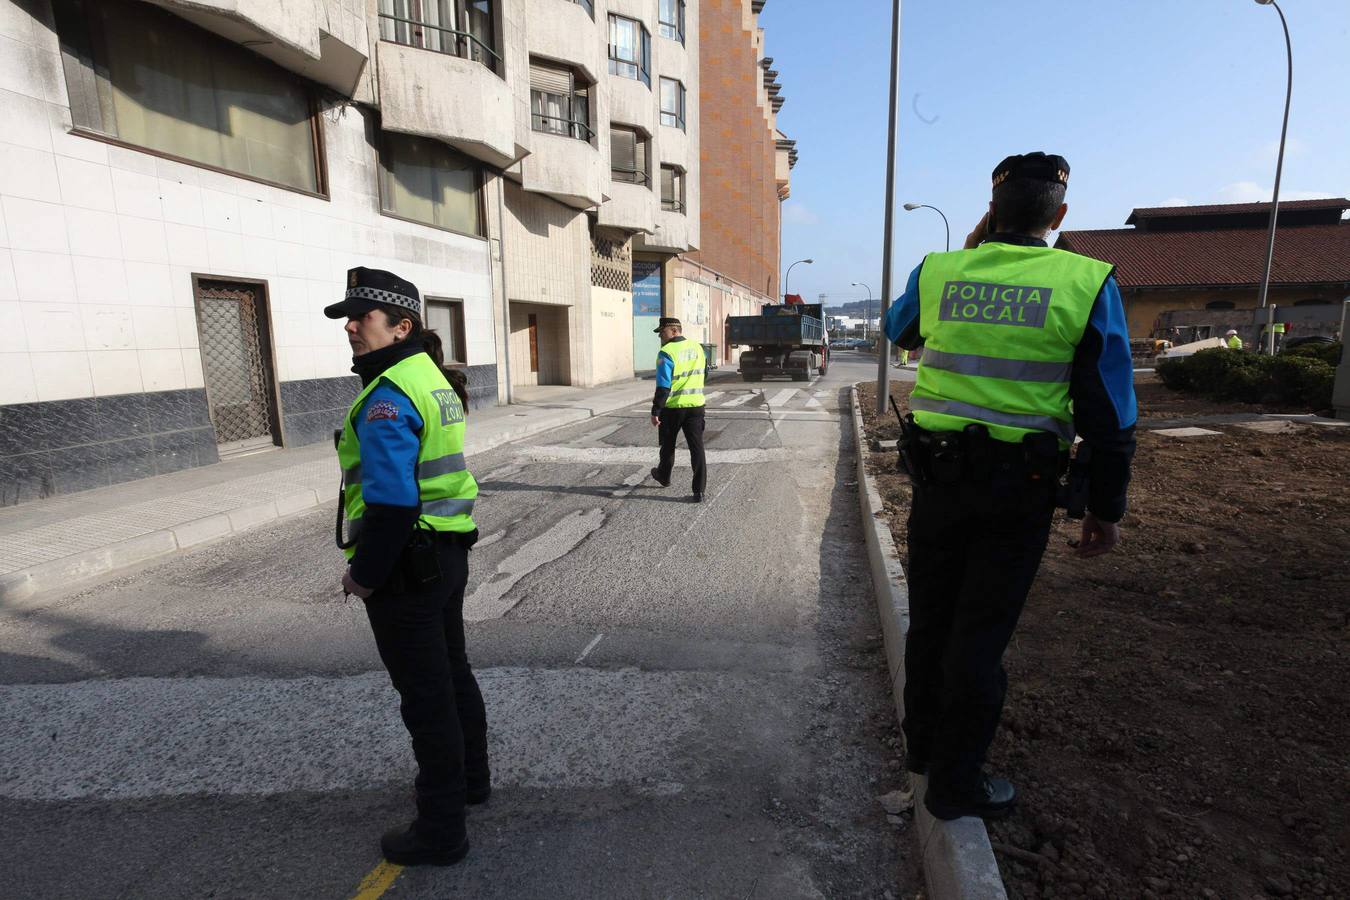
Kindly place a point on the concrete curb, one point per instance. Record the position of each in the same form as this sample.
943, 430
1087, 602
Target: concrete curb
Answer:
958, 861
69, 571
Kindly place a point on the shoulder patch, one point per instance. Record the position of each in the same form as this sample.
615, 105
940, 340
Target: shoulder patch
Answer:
381, 409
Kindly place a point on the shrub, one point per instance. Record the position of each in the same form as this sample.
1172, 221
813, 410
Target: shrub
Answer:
1302, 380
1220, 374
1327, 353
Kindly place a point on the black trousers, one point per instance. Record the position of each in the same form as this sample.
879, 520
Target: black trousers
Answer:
974, 548
420, 636
690, 421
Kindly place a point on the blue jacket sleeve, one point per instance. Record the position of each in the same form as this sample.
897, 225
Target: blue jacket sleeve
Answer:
665, 376
902, 319
1104, 410
388, 427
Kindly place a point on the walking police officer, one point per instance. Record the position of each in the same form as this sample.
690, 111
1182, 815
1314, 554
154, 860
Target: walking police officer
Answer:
678, 403
1024, 346
408, 502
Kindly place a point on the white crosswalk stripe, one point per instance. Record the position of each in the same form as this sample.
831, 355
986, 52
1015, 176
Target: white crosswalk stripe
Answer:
781, 398
741, 399
710, 397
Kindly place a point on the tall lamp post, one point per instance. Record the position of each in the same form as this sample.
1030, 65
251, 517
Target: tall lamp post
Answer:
789, 275
913, 206
883, 345
1279, 169
867, 310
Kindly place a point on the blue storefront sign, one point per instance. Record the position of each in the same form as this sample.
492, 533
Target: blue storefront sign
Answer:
646, 288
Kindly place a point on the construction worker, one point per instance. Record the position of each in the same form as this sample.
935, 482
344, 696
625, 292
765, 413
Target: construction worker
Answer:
1024, 346
1277, 329
678, 403
407, 498
1231, 339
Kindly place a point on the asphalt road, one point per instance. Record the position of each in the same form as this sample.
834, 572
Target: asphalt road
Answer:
684, 701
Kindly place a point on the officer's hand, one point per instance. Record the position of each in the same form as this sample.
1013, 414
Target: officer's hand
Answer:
350, 586
980, 233
1098, 537
656, 421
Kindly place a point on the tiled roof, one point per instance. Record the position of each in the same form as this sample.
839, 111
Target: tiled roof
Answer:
1311, 254
1171, 212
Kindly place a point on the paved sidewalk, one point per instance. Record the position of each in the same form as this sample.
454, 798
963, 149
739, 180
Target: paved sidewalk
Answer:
63, 540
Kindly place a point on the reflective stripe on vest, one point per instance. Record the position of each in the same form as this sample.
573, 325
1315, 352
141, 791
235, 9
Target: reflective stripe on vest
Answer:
991, 367
446, 489
686, 380
1000, 325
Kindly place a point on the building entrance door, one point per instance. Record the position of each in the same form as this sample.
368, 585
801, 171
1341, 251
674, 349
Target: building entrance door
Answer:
236, 352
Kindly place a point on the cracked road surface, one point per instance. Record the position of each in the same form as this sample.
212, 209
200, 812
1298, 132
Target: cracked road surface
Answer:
683, 701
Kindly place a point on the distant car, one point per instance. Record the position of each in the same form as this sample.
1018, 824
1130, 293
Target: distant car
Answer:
839, 344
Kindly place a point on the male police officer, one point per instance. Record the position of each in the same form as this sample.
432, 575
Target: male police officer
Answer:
1023, 346
408, 501
678, 404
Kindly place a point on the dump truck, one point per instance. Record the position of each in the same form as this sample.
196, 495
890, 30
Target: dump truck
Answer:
788, 340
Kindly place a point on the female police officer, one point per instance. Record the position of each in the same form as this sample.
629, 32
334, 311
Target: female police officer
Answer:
408, 501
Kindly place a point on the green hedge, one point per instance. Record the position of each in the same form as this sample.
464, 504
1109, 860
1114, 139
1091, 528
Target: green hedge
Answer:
1327, 353
1289, 379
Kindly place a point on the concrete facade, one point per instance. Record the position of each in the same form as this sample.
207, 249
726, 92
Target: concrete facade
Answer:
104, 243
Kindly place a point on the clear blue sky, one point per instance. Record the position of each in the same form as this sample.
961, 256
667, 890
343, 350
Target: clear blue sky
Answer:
1153, 102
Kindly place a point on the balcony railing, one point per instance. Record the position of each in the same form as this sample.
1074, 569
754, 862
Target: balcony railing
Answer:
424, 35
630, 176
565, 127
672, 205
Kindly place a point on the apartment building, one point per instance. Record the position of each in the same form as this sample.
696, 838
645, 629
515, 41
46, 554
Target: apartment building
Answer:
184, 183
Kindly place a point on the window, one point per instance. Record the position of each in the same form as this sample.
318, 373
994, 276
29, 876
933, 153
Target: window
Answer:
630, 49
628, 155
425, 181
672, 188
559, 101
446, 318
463, 28
586, 5
672, 19
672, 103
144, 77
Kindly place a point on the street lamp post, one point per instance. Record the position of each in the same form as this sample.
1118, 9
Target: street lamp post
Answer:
789, 275
913, 206
867, 308
1279, 169
883, 345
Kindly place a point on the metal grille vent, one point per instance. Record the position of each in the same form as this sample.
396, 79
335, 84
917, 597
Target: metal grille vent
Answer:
232, 365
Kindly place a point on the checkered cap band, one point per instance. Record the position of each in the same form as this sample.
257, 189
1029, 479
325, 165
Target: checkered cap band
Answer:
382, 296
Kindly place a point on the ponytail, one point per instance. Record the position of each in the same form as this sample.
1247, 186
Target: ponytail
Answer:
431, 345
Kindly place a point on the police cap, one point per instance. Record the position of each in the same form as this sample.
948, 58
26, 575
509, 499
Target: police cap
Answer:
1037, 166
666, 320
371, 288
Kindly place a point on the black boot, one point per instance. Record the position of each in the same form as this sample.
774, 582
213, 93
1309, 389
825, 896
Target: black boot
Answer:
990, 798
657, 479
409, 847
477, 795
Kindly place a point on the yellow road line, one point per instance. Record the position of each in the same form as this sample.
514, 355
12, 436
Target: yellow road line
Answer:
377, 881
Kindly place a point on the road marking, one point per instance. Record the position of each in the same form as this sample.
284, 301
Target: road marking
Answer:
708, 398
743, 398
568, 727
635, 456
629, 483
782, 397
490, 600
598, 434
377, 881
489, 540
589, 647
813, 403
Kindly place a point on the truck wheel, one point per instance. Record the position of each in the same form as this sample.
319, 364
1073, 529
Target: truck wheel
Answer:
801, 376
751, 377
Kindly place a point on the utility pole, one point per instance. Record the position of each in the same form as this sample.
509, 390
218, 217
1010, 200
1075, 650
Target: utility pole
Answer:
884, 345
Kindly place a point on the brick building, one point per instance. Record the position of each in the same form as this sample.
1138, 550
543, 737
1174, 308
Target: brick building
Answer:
745, 175
1212, 257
